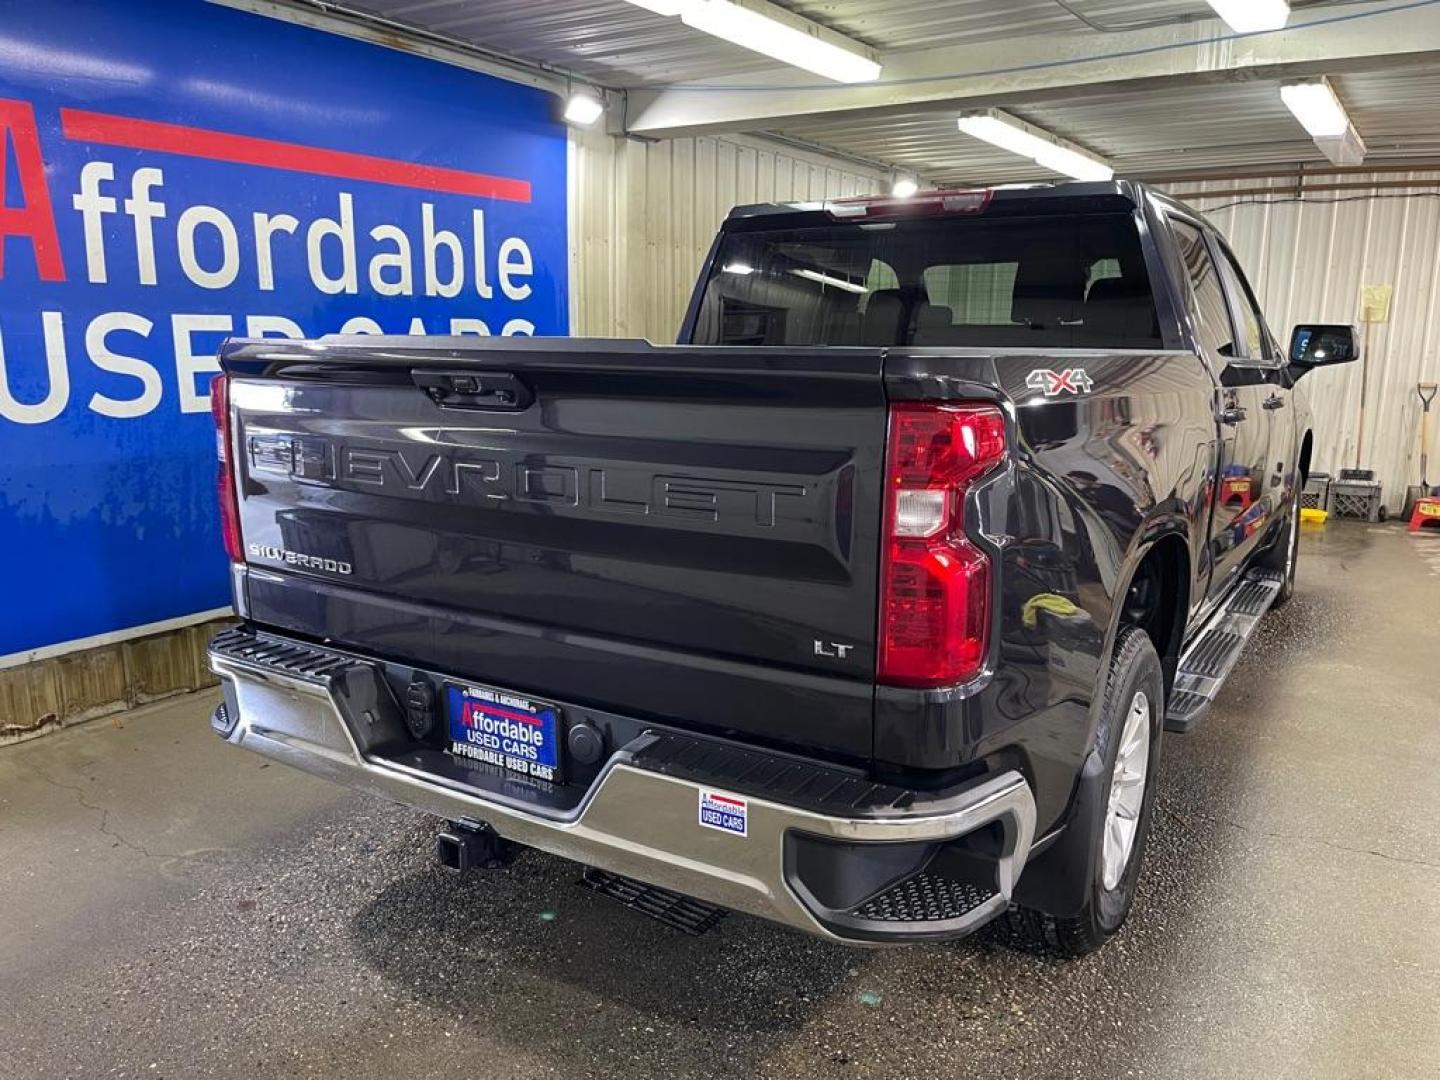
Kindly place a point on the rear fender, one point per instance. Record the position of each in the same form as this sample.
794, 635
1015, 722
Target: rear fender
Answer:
1057, 880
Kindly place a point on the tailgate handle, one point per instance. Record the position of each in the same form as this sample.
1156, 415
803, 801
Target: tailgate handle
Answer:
494, 390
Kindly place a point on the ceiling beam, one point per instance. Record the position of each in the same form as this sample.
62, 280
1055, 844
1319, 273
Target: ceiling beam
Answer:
1037, 68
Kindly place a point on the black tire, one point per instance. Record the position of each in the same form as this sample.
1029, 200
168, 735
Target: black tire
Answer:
1134, 667
1284, 554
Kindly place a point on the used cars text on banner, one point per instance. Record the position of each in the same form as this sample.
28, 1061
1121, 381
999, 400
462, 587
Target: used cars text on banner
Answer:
174, 173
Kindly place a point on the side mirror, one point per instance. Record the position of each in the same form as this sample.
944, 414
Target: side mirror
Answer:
1318, 345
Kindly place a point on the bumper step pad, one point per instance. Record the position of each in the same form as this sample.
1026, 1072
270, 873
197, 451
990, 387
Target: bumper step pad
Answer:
297, 660
922, 898
685, 913
1207, 663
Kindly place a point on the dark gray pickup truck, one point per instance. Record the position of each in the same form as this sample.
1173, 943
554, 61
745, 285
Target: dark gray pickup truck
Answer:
862, 609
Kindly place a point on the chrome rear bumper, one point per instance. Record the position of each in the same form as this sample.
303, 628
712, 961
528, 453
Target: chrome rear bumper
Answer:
633, 820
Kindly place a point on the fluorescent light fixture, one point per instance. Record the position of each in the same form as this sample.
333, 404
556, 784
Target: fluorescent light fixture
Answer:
1046, 150
991, 128
1070, 163
904, 186
750, 29
1317, 108
773, 31
737, 268
1253, 16
1348, 149
1321, 113
584, 108
833, 282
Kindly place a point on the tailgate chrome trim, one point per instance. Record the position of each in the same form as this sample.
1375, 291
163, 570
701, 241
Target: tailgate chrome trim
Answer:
633, 821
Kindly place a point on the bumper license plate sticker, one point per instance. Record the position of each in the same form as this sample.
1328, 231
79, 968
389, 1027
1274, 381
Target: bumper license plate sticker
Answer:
500, 729
724, 812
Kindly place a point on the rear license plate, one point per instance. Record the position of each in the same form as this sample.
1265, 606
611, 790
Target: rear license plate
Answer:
502, 729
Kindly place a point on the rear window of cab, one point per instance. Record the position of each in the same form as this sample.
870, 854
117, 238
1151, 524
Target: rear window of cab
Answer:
1048, 281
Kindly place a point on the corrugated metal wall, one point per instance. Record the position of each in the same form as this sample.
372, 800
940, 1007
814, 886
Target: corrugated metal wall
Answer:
1308, 260
643, 214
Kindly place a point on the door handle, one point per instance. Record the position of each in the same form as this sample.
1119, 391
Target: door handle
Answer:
1232, 415
1273, 402
486, 390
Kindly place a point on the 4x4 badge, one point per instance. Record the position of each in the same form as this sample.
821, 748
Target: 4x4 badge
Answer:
1055, 383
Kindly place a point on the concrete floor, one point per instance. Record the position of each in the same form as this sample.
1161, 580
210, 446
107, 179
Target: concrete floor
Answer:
174, 908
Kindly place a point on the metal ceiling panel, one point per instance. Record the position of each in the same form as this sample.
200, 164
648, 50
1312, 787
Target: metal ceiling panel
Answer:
1232, 125
619, 44
610, 41
926, 24
1209, 127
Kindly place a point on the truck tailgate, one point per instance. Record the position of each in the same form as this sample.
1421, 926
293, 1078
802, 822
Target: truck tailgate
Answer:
683, 534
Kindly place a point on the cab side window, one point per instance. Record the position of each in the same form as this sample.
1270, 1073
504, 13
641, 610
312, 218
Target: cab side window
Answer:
1217, 332
1257, 341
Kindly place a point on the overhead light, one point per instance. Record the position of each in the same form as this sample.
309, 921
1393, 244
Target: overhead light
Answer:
1316, 107
1046, 150
766, 28
1348, 149
833, 282
1320, 113
752, 30
584, 108
1253, 16
1072, 163
998, 132
740, 268
904, 186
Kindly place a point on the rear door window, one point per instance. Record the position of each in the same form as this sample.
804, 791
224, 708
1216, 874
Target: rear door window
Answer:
1255, 340
1216, 330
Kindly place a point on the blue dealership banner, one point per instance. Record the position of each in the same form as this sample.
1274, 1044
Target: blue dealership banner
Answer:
175, 172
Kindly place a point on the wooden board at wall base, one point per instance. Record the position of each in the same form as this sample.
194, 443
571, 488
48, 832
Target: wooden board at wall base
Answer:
47, 695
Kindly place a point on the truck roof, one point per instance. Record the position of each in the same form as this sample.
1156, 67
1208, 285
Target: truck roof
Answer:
1009, 196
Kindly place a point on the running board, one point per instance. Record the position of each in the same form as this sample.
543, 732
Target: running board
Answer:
1209, 660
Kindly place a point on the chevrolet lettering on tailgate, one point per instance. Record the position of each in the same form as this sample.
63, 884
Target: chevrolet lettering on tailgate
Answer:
495, 479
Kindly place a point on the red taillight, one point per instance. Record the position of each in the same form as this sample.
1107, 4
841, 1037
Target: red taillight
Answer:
935, 584
225, 476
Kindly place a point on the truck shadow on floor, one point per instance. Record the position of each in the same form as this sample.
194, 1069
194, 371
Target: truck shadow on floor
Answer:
500, 939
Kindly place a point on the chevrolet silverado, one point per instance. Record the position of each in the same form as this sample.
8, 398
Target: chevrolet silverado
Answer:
862, 609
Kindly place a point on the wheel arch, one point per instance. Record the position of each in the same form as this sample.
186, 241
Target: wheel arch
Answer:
1162, 549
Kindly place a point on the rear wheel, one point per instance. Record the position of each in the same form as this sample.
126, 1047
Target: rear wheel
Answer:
1108, 833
